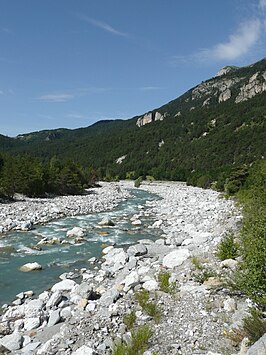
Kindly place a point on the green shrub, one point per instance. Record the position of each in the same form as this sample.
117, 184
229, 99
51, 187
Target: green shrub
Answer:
228, 248
164, 284
139, 343
130, 319
138, 182
254, 327
204, 275
149, 307
252, 274
196, 262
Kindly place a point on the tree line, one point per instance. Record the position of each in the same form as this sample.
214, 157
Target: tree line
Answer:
32, 177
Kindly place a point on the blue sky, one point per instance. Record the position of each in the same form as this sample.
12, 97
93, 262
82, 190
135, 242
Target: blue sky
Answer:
66, 63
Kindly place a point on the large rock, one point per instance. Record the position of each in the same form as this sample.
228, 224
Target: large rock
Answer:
131, 280
150, 285
65, 285
176, 258
75, 232
115, 260
106, 222
30, 267
54, 300
12, 342
33, 308
259, 348
84, 350
137, 250
31, 323
54, 318
109, 297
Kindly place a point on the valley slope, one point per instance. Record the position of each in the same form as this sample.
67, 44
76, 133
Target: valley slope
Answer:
212, 128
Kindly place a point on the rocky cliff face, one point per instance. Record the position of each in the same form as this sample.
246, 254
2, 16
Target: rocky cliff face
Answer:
230, 83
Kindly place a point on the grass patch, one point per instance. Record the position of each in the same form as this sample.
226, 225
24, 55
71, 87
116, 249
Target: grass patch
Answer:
203, 275
251, 277
130, 319
228, 248
164, 284
254, 327
149, 307
197, 263
139, 343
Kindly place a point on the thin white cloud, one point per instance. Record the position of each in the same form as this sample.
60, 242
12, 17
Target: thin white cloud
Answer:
149, 88
262, 4
6, 30
75, 116
239, 43
1, 92
61, 97
102, 25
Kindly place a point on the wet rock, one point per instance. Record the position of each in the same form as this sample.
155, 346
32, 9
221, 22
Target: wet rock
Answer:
30, 267
106, 222
75, 232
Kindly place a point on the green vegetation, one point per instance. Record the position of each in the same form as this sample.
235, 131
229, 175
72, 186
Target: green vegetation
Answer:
228, 248
206, 146
164, 284
139, 343
251, 277
204, 275
32, 177
149, 307
254, 327
130, 319
197, 263
138, 182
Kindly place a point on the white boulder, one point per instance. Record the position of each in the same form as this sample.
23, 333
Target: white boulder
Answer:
30, 267
176, 258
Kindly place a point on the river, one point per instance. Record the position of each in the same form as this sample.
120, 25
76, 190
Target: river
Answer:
16, 247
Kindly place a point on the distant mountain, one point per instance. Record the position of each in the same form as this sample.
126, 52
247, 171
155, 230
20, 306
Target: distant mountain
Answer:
212, 128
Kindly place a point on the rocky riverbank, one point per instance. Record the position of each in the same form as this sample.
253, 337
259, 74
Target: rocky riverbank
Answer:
190, 312
26, 212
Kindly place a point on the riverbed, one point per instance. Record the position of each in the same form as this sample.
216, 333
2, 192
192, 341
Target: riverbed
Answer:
20, 247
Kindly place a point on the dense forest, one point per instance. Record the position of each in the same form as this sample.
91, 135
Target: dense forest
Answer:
32, 177
203, 144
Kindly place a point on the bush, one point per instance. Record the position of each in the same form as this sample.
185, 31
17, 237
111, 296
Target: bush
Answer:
164, 284
138, 182
130, 319
149, 307
228, 248
254, 327
139, 343
252, 275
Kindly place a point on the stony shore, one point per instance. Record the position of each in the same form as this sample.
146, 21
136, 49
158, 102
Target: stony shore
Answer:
26, 212
84, 312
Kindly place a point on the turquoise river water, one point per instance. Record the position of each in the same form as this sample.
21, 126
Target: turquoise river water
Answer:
59, 258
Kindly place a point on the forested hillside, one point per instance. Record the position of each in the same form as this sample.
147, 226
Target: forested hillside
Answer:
200, 137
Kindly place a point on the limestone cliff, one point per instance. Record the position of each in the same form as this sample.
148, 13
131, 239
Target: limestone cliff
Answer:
230, 83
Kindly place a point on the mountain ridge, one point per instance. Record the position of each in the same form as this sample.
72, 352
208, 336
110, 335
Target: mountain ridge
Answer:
184, 137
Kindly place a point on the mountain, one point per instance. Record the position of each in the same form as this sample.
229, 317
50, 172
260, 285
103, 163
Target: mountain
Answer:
210, 129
